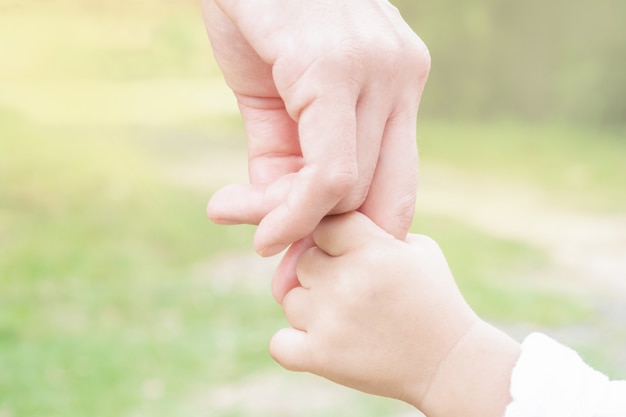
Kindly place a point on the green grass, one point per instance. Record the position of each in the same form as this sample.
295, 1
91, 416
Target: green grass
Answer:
99, 290
108, 303
101, 294
108, 307
579, 167
497, 276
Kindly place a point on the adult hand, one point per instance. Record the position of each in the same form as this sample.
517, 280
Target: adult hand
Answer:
328, 91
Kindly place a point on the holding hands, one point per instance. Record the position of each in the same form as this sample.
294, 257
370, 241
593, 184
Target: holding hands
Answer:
385, 316
329, 92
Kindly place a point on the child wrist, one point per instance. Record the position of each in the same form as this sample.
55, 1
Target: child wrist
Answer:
474, 378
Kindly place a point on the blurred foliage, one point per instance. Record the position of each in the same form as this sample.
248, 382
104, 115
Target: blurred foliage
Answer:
110, 305
495, 275
537, 60
110, 302
103, 298
581, 168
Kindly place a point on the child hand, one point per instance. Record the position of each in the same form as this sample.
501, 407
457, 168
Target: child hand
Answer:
372, 312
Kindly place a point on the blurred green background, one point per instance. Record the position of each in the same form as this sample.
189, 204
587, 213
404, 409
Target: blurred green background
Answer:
119, 298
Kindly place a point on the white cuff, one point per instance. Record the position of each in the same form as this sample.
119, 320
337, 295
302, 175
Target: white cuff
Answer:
551, 380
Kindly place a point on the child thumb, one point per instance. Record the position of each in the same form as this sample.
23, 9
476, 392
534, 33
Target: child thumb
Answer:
289, 347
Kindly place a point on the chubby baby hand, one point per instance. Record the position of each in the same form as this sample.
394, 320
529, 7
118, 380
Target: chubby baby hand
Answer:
372, 312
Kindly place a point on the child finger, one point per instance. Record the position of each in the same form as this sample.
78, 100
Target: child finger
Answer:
285, 277
337, 235
311, 266
290, 348
297, 308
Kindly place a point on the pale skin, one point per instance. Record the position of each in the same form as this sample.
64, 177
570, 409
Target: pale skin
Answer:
329, 92
385, 316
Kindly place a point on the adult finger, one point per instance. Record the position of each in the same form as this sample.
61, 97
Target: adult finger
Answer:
290, 348
273, 153
372, 111
272, 137
244, 70
247, 204
328, 141
337, 235
390, 202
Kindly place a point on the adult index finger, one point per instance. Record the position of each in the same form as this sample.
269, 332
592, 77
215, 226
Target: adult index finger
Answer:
327, 131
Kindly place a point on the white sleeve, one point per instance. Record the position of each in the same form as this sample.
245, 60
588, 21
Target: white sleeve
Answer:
551, 380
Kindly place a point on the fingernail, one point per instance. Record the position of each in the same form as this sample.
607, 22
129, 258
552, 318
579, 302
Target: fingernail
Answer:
224, 222
272, 250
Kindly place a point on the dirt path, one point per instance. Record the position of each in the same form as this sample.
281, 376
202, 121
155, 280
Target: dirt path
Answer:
283, 394
588, 249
